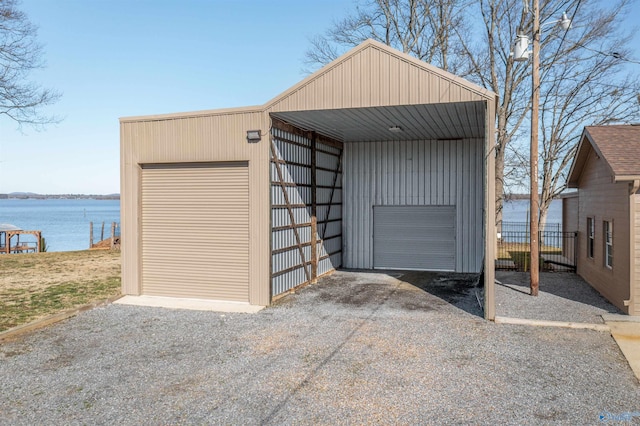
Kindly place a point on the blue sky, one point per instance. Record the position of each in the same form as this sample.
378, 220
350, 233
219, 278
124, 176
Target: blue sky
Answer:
119, 58
116, 58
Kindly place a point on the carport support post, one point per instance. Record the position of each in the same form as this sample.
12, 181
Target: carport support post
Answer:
314, 216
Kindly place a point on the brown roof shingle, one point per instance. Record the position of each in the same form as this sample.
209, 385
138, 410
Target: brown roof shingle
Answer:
620, 146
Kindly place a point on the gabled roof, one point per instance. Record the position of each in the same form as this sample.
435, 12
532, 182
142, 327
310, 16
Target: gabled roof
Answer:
374, 74
618, 145
371, 74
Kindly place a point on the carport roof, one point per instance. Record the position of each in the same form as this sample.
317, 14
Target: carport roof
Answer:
412, 122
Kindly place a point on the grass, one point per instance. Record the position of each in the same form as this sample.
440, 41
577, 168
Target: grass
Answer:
34, 286
520, 254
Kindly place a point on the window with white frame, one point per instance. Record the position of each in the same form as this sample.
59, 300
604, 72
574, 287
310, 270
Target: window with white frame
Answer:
591, 235
608, 244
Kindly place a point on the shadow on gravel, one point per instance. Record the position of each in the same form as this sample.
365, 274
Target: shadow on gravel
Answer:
413, 291
456, 289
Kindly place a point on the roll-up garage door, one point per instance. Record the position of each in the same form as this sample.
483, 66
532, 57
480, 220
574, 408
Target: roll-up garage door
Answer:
195, 231
414, 237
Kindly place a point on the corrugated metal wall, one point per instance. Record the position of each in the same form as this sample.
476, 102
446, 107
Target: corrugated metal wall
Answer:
292, 201
414, 173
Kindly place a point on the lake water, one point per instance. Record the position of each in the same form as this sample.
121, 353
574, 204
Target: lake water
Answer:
516, 211
64, 223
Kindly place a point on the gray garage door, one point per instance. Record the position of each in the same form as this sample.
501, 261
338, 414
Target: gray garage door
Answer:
414, 237
195, 231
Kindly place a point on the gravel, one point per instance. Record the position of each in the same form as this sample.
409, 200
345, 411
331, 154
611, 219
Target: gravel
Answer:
562, 296
356, 348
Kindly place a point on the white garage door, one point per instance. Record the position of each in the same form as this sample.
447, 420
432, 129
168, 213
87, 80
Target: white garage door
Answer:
414, 237
195, 231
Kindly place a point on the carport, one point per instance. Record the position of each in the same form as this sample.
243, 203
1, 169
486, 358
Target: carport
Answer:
377, 160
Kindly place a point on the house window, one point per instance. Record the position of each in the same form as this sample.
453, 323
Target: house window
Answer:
591, 235
608, 244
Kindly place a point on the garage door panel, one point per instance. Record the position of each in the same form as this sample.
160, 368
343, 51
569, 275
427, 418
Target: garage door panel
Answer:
414, 237
195, 232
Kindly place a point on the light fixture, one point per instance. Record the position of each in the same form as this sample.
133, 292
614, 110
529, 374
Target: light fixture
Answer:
521, 50
253, 136
565, 22
395, 129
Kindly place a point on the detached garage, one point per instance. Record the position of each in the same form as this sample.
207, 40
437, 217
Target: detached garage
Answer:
376, 161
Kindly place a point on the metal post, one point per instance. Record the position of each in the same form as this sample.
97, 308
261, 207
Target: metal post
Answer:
535, 101
314, 210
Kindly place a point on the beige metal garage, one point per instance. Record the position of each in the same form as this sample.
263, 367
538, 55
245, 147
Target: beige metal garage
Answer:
246, 204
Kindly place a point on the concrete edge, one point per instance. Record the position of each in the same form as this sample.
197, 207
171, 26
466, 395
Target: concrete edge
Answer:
627, 335
19, 330
545, 323
620, 318
190, 304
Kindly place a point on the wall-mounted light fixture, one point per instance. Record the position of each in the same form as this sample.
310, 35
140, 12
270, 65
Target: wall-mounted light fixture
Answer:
395, 129
253, 136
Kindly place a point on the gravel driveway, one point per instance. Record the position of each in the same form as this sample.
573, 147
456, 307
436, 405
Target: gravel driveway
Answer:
356, 348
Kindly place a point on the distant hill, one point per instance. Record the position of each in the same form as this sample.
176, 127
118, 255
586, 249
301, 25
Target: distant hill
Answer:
33, 195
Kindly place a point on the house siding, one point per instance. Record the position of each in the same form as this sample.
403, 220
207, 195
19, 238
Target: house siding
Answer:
603, 199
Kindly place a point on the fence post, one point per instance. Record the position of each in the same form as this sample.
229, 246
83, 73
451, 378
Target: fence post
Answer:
113, 235
90, 234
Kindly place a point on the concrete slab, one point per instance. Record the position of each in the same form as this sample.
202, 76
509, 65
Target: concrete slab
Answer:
620, 318
192, 304
627, 336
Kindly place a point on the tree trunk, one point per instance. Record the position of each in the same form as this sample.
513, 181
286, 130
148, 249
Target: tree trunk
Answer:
542, 221
499, 187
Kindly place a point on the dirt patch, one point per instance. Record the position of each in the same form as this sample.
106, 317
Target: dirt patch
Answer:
33, 286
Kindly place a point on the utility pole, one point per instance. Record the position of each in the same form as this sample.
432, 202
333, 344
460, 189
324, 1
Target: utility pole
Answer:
534, 200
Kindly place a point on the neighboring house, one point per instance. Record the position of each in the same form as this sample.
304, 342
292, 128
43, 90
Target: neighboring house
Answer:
377, 160
606, 172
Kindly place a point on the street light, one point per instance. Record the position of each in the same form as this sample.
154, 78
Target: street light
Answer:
521, 50
521, 53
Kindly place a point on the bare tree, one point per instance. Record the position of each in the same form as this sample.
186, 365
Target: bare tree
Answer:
20, 99
421, 28
583, 83
492, 66
580, 85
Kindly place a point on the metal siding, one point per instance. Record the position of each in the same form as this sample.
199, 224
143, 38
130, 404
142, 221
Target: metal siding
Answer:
488, 234
286, 261
385, 173
414, 237
375, 75
195, 232
215, 136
